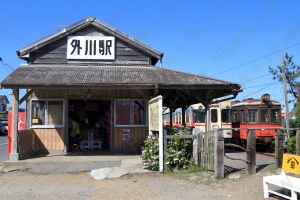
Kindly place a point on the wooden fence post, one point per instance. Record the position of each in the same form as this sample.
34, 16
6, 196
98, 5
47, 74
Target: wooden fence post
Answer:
165, 149
219, 155
195, 145
279, 148
251, 152
298, 142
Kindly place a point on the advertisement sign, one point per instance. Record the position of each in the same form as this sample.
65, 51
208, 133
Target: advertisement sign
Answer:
91, 47
126, 134
21, 126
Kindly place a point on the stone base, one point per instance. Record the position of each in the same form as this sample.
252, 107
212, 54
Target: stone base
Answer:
14, 156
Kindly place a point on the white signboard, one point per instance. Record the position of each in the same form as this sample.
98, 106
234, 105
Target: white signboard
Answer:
91, 47
156, 124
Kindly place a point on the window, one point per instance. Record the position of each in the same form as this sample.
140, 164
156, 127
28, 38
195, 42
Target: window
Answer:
275, 116
214, 115
47, 113
130, 112
264, 115
187, 116
252, 115
226, 115
199, 116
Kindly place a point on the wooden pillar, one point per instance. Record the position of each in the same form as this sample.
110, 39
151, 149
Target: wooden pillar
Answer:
207, 124
183, 108
251, 152
165, 149
171, 117
219, 155
196, 132
66, 122
14, 155
279, 148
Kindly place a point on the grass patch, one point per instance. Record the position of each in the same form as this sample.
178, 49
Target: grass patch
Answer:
193, 174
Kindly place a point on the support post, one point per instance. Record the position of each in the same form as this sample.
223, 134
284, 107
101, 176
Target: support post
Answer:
171, 117
251, 152
279, 148
66, 122
14, 155
298, 142
196, 132
219, 155
183, 107
165, 149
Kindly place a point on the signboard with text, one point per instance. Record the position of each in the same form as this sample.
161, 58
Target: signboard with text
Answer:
91, 47
154, 115
156, 124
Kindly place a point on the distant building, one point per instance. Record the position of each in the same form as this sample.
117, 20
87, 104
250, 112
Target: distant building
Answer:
3, 103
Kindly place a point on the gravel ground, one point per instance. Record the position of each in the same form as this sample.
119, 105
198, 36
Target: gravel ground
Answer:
27, 185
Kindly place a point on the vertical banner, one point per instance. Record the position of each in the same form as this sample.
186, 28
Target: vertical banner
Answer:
155, 124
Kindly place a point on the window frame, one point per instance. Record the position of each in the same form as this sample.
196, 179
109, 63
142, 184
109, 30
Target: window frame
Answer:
131, 113
46, 114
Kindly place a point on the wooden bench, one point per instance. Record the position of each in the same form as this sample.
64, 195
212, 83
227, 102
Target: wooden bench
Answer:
291, 164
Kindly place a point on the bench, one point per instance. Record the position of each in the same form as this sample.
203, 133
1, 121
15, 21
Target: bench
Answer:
291, 164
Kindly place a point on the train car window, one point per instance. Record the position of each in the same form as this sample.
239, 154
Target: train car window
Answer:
252, 115
275, 116
264, 115
226, 115
199, 116
179, 117
173, 118
187, 116
214, 115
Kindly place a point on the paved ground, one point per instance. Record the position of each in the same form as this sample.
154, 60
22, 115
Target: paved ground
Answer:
3, 149
262, 161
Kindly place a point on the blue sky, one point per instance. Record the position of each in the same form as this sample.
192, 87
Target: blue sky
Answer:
223, 39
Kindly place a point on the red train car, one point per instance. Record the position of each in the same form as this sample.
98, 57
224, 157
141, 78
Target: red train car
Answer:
255, 113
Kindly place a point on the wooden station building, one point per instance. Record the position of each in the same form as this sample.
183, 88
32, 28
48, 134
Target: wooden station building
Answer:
104, 76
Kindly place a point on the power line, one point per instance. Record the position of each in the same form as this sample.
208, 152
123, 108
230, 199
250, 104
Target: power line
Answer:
10, 43
261, 85
6, 64
14, 37
255, 59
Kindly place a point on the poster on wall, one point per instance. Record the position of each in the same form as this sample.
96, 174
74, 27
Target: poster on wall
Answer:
126, 134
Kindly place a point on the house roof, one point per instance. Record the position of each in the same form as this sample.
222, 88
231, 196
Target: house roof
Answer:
23, 53
41, 75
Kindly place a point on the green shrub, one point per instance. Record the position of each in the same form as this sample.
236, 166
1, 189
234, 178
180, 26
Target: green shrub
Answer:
178, 152
291, 145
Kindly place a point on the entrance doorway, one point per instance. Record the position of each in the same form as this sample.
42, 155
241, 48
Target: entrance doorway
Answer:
94, 116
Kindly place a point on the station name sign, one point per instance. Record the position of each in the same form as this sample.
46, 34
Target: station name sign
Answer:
91, 47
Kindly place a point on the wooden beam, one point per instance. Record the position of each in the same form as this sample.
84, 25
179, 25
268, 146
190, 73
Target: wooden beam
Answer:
156, 89
251, 152
219, 155
26, 96
279, 148
167, 94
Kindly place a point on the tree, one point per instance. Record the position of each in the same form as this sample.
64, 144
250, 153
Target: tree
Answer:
292, 72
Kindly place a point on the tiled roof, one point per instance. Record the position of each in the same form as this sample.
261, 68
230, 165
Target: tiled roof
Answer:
82, 24
68, 74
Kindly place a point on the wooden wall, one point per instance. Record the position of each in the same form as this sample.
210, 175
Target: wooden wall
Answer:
56, 52
49, 139
137, 137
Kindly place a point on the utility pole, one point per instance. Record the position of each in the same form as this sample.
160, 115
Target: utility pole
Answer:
285, 98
